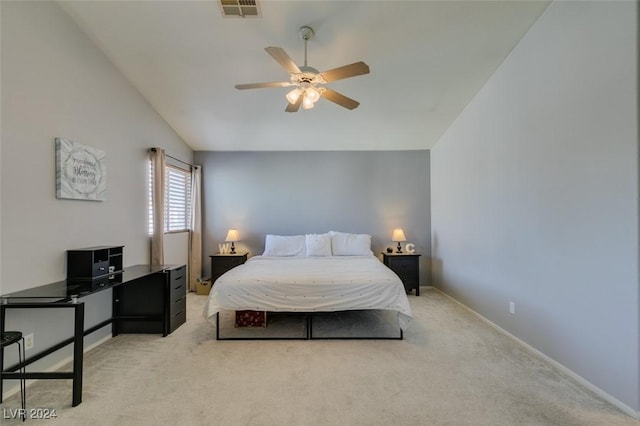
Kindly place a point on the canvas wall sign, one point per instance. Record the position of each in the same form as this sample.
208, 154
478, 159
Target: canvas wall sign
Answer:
81, 171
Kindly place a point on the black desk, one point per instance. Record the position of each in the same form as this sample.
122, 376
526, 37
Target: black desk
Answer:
146, 299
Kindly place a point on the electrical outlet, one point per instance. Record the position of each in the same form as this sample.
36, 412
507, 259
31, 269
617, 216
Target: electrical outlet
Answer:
512, 308
28, 342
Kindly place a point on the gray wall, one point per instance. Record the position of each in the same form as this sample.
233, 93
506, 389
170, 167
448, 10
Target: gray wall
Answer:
535, 195
57, 83
291, 193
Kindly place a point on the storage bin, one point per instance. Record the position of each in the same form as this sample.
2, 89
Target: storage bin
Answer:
204, 286
251, 319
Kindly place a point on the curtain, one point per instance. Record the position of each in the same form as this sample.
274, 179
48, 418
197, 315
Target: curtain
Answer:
158, 163
195, 236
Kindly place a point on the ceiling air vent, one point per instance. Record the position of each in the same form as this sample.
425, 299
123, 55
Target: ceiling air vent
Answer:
239, 8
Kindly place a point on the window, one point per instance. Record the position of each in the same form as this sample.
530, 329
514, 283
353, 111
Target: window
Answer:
177, 208
177, 199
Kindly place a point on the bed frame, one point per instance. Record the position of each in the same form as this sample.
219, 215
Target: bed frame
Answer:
309, 332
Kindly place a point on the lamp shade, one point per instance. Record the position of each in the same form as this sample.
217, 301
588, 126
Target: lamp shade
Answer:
398, 235
307, 103
293, 95
312, 94
233, 235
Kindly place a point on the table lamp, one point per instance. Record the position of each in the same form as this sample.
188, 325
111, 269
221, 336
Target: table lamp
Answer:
232, 236
397, 236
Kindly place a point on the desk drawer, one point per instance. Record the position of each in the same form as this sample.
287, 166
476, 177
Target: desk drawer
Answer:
178, 274
177, 320
177, 288
177, 313
177, 282
100, 268
178, 303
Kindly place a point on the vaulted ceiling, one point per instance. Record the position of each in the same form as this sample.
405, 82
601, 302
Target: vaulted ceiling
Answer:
427, 59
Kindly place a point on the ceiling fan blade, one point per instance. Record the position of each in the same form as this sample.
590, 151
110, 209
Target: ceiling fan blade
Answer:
295, 106
283, 59
262, 85
352, 70
340, 99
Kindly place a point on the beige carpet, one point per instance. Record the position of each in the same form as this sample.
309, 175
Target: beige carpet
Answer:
451, 369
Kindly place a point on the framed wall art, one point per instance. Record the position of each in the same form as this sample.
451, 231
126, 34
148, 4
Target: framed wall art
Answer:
81, 171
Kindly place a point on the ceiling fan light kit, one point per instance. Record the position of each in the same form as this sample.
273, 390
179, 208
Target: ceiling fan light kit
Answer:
307, 80
310, 95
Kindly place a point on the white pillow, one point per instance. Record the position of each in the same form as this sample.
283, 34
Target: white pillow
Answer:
318, 244
280, 245
345, 244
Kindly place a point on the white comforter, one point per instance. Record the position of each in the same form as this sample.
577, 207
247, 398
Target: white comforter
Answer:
309, 284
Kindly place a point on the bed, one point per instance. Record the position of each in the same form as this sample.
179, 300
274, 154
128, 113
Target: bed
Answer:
309, 274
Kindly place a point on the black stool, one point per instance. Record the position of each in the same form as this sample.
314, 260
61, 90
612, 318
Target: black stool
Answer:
9, 338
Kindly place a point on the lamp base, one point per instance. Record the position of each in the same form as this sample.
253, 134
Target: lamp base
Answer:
399, 248
233, 248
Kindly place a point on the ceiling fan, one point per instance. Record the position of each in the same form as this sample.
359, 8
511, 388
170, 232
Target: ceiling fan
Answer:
308, 81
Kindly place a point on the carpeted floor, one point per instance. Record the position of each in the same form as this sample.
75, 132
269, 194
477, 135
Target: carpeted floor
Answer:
451, 369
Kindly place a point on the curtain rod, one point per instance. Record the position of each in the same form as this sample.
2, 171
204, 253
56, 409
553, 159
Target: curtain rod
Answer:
174, 158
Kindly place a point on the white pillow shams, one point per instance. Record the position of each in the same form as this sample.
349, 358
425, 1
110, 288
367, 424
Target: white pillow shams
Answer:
345, 244
318, 244
281, 245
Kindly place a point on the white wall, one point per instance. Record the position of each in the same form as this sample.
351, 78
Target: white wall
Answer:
176, 248
57, 83
535, 195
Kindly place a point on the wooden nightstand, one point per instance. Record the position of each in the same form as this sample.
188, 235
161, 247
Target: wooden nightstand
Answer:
405, 265
221, 263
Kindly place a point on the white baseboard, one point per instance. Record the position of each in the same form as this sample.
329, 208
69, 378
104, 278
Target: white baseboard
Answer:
15, 389
584, 382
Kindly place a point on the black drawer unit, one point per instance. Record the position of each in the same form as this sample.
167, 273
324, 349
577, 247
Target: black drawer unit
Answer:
221, 263
406, 266
177, 310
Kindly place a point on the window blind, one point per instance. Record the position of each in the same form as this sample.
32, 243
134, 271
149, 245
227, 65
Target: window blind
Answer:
177, 207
